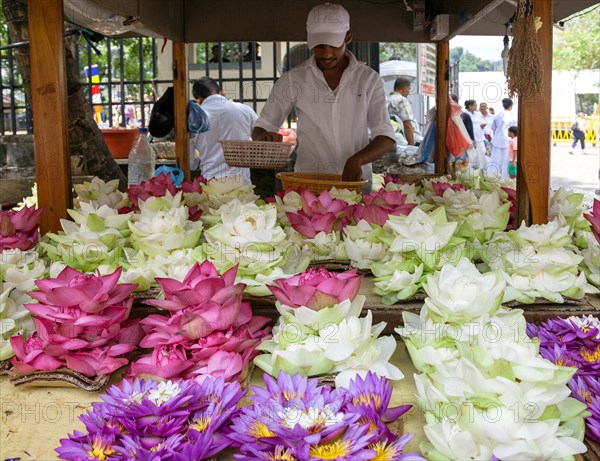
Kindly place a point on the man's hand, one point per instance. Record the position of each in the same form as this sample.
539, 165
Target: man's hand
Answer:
352, 170
260, 134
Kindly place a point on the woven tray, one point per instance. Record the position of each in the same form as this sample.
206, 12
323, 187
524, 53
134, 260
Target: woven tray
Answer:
318, 182
257, 154
164, 149
62, 377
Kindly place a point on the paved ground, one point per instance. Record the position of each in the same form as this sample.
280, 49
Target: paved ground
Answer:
578, 172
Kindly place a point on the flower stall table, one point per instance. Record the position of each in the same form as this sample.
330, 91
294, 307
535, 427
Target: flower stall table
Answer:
34, 419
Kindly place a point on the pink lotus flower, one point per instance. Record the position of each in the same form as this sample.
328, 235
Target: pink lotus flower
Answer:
79, 319
167, 362
594, 219
377, 206
221, 364
90, 293
200, 284
19, 229
512, 197
154, 187
440, 187
320, 214
99, 361
30, 355
225, 309
392, 179
195, 185
245, 337
317, 288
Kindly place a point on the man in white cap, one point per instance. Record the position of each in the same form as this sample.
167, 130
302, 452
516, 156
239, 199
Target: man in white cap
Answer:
337, 101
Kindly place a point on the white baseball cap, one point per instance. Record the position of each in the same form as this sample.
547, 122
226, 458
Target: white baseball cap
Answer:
327, 24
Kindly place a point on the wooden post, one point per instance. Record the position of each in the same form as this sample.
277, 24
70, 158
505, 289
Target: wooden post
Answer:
180, 90
441, 101
49, 104
533, 175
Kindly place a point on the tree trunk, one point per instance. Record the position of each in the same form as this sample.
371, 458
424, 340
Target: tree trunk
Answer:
85, 138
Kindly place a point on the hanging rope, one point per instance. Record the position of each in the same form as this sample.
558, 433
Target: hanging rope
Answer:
525, 73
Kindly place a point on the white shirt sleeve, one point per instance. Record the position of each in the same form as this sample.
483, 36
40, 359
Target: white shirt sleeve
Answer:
378, 116
281, 102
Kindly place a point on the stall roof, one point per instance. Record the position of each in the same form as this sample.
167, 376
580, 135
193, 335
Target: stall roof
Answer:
194, 21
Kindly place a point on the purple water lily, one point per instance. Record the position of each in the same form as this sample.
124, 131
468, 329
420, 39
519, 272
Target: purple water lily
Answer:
295, 419
160, 421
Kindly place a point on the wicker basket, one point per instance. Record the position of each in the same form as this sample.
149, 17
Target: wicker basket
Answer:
164, 149
257, 154
318, 182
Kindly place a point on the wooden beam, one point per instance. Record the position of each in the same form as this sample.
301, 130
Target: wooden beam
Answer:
180, 90
533, 175
441, 100
49, 104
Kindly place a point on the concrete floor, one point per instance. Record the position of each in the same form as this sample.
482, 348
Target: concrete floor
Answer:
578, 172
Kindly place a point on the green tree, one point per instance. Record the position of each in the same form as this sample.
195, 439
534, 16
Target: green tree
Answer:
576, 47
399, 51
471, 63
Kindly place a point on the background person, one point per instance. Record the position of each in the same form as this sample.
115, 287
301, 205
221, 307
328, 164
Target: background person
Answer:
228, 121
488, 119
216, 55
502, 121
479, 160
513, 133
337, 100
579, 129
399, 105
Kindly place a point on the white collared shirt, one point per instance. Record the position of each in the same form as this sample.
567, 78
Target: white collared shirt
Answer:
502, 122
332, 125
477, 120
228, 120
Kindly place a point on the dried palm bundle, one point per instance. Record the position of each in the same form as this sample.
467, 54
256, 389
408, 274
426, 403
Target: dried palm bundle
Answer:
525, 73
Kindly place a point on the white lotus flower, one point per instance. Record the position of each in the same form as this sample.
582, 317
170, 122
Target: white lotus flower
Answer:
244, 224
462, 293
162, 226
321, 247
399, 286
420, 231
355, 347
347, 195
362, 245
554, 233
319, 319
567, 205
449, 440
98, 193
219, 191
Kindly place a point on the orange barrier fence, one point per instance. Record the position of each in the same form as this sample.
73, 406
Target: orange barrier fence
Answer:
561, 129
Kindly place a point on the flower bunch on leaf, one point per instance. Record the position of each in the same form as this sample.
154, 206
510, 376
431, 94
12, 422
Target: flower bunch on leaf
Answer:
249, 236
150, 420
417, 244
295, 419
377, 206
98, 192
81, 323
539, 261
96, 236
479, 216
163, 225
18, 272
220, 191
19, 228
474, 356
209, 330
317, 226
575, 342
320, 332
